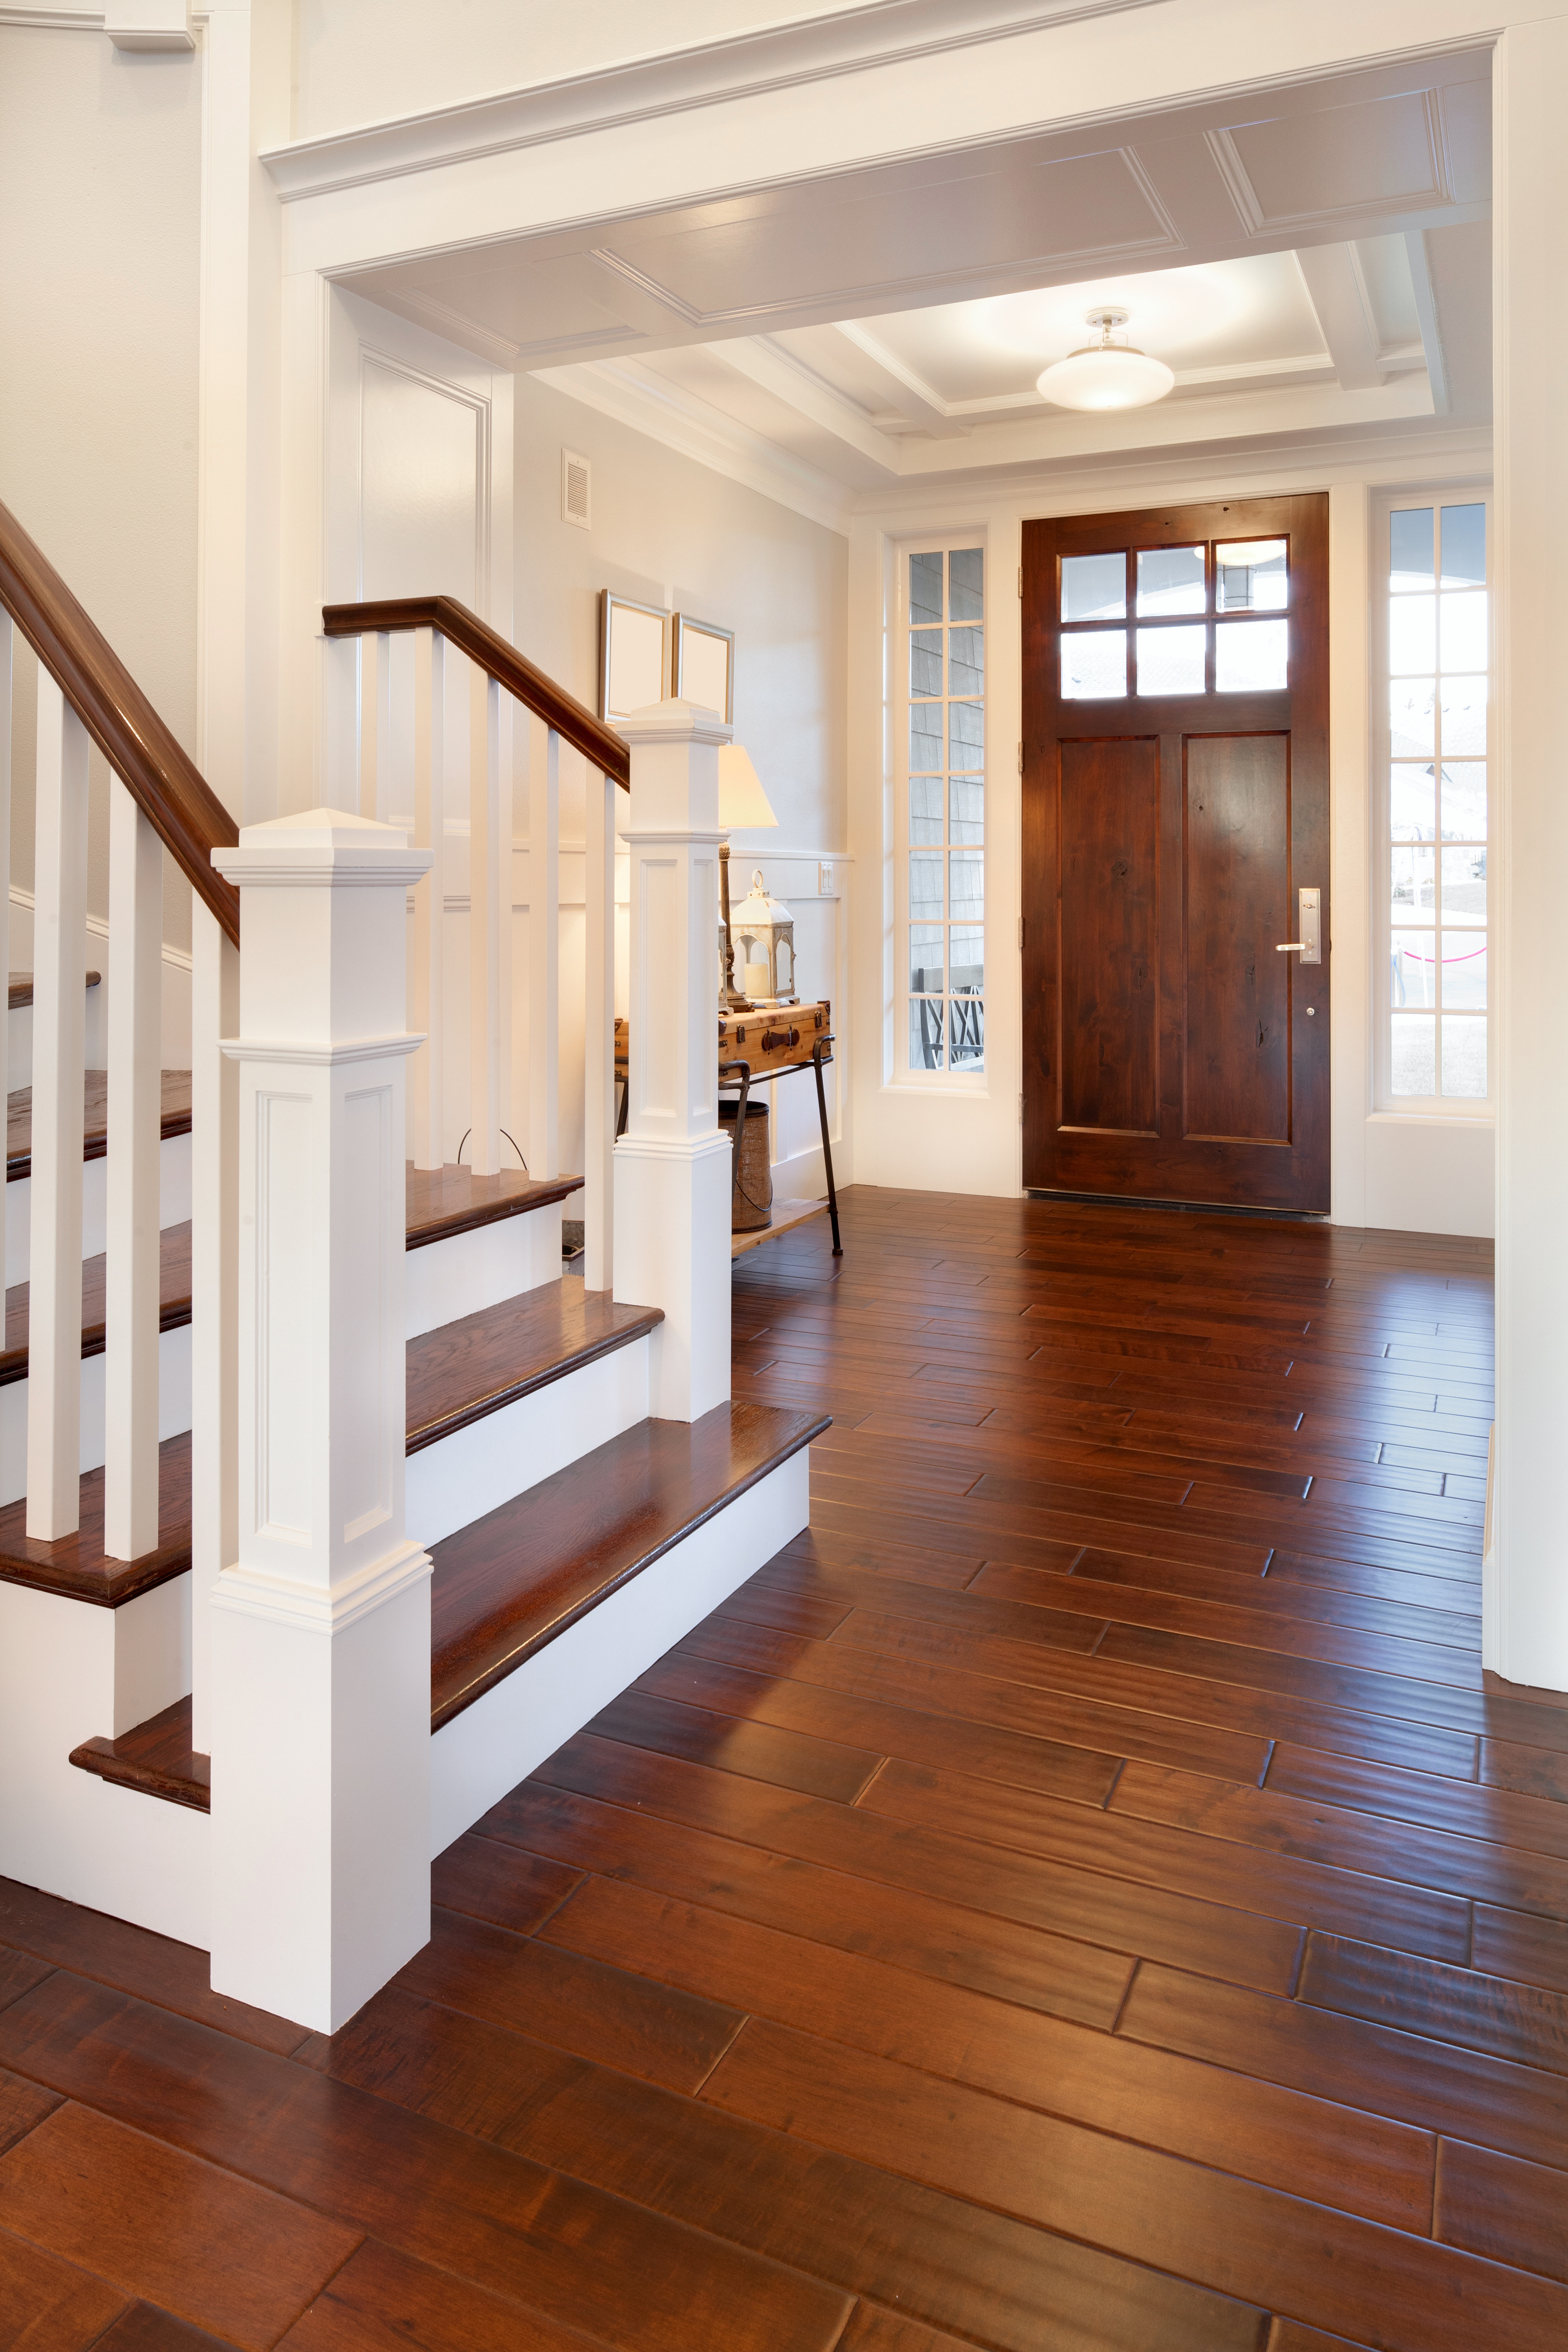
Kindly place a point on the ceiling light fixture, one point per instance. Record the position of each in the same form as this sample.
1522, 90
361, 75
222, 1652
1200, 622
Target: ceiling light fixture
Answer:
1106, 375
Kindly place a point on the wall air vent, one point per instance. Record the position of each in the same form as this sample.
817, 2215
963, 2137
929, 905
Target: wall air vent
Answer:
576, 489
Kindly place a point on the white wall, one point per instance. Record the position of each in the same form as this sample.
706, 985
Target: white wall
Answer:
669, 531
363, 60
1417, 1173
100, 231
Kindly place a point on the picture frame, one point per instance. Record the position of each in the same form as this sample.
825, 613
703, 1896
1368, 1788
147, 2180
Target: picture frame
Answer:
702, 665
635, 654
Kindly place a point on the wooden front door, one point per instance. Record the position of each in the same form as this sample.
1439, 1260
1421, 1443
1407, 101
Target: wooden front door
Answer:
1175, 805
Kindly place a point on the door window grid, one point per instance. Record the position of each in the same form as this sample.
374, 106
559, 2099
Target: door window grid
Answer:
1436, 939
1204, 620
944, 852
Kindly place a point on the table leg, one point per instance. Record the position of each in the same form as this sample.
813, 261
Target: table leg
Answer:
826, 1150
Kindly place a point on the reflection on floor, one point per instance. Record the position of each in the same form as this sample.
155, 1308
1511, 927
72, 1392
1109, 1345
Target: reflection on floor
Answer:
1084, 1894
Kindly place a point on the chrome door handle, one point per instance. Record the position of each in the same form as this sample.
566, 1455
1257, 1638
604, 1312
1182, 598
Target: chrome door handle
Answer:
1292, 947
1310, 923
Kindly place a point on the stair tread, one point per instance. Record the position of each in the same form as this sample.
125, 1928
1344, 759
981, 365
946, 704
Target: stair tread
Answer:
175, 1120
511, 1581
508, 1584
465, 1370
77, 1567
173, 1295
453, 1199
156, 1758
21, 987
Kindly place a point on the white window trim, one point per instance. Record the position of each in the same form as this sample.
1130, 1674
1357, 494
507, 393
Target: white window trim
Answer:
1460, 1109
903, 1075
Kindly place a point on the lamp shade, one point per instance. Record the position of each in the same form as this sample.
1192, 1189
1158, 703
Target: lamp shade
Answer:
742, 804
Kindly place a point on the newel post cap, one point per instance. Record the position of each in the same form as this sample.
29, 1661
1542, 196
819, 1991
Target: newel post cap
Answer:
674, 722
324, 846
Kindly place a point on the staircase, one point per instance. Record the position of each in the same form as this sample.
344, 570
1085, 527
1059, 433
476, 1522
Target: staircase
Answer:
316, 1537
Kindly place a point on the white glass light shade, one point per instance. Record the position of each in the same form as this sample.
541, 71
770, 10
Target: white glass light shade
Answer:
742, 804
1106, 375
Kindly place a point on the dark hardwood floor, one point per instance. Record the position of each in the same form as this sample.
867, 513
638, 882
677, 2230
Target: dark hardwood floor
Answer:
1083, 1897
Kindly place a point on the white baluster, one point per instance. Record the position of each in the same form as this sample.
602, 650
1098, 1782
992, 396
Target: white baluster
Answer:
544, 949
53, 1267
132, 1270
490, 860
599, 1031
214, 1292
7, 656
375, 721
426, 1109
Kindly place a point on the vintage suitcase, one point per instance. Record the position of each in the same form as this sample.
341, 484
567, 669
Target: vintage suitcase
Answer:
770, 1037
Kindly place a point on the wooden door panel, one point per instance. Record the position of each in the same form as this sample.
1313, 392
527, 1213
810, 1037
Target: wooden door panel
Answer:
1170, 1050
1109, 831
1237, 889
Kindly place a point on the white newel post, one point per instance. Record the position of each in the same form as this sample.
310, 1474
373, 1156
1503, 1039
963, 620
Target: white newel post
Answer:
321, 1632
672, 1165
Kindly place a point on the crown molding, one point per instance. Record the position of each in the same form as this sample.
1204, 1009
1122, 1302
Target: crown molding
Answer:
636, 90
677, 418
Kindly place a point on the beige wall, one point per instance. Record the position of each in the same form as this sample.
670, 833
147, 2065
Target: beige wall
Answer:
667, 531
99, 230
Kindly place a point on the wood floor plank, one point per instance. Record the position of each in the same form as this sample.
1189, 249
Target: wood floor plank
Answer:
947, 2262
1238, 2237
1463, 1808
382, 2301
23, 2105
145, 2328
1388, 2069
1494, 2014
929, 1934
1496, 2206
1366, 2166
157, 2222
47, 2304
510, 1889
785, 1758
1517, 1944
1118, 1912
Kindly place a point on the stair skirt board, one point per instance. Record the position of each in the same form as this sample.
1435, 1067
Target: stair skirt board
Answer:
67, 1669
174, 1410
174, 1204
445, 1280
485, 1751
478, 1467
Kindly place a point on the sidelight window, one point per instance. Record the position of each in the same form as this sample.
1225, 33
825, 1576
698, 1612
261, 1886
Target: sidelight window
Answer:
942, 919
1434, 953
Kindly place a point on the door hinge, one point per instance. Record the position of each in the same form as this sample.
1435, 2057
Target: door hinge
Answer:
1021, 934
1020, 759
1020, 583
1020, 1111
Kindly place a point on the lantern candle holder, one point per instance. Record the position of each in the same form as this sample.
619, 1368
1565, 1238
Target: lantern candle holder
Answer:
763, 930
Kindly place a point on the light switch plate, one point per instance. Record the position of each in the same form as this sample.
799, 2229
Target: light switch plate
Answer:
824, 882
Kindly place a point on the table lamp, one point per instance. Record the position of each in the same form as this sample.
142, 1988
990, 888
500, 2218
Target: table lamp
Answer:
743, 807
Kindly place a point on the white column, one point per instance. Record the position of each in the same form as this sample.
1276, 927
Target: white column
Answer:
135, 1109
672, 1165
54, 1262
426, 1105
544, 949
214, 1292
599, 1030
375, 721
320, 1633
1525, 1588
489, 865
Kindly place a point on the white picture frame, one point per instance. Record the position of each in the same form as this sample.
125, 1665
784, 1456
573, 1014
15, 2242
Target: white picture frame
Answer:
633, 656
702, 666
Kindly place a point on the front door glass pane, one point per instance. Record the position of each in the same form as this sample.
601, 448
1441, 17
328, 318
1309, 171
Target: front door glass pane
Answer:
1171, 661
1250, 656
1249, 576
1094, 587
1170, 579
1415, 1054
1094, 664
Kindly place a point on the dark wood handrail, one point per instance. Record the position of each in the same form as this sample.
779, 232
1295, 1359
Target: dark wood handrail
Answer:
570, 718
164, 781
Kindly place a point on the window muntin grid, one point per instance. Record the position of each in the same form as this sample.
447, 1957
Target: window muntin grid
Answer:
944, 846
1435, 838
1207, 619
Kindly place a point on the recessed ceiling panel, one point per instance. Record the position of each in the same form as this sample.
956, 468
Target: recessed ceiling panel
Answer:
746, 268
1292, 169
536, 306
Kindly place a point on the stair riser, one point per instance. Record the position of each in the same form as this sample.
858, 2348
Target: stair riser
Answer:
174, 1413
485, 1751
477, 1469
65, 1668
174, 1204
464, 1273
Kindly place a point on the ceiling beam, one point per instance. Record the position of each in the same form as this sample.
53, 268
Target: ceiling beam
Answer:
1427, 316
761, 360
908, 394
1338, 296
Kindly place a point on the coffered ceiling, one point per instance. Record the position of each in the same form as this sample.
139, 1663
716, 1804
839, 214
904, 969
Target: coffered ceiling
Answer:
1311, 264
